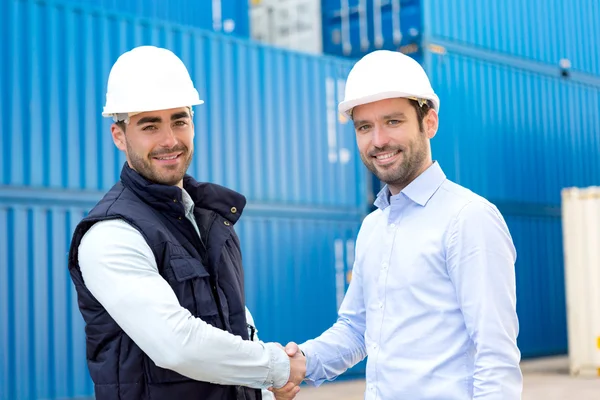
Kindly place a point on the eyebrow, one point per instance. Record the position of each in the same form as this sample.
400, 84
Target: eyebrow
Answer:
154, 120
148, 120
358, 123
385, 117
394, 115
180, 115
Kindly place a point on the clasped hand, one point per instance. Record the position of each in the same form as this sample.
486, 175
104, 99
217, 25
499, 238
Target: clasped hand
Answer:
297, 373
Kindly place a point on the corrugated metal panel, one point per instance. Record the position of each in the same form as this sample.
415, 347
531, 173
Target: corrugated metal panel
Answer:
304, 155
291, 260
222, 16
353, 28
517, 135
541, 302
345, 27
540, 30
42, 329
513, 134
397, 24
298, 260
269, 129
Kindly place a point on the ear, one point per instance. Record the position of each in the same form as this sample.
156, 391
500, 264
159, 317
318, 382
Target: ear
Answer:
431, 123
118, 137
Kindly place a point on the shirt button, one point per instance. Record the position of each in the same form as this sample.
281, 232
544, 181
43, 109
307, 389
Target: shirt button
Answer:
384, 265
380, 305
226, 223
371, 388
233, 210
392, 226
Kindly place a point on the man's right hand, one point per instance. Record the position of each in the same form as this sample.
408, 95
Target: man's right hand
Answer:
297, 373
297, 363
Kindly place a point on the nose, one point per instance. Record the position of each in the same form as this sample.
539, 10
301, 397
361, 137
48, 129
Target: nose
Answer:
380, 138
168, 138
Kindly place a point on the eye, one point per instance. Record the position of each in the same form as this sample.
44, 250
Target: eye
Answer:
180, 123
149, 128
394, 122
363, 128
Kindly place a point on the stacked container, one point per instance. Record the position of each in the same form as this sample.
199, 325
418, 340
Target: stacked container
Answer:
581, 229
268, 129
519, 85
229, 17
520, 90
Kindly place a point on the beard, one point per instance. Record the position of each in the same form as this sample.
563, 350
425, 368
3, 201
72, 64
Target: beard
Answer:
166, 175
404, 171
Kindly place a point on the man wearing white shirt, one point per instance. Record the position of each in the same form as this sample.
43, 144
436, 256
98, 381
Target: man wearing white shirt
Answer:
432, 301
157, 264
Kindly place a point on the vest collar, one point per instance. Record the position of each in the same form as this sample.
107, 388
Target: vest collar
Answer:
168, 199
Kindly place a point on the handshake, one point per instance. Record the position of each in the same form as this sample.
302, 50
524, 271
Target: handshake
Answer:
297, 373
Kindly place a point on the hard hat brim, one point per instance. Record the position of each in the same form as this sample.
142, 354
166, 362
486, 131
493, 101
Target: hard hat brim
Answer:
107, 112
345, 107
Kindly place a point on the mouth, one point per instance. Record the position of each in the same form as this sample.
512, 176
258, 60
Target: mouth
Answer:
168, 158
386, 158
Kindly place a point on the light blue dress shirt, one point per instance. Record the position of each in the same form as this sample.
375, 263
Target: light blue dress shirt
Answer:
432, 300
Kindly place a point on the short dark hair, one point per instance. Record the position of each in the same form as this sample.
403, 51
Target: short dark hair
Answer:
122, 125
421, 110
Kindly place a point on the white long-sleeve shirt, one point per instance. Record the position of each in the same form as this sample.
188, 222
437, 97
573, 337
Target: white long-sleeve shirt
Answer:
119, 269
432, 301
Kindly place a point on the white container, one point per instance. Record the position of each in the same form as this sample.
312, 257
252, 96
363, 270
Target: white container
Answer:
581, 241
289, 24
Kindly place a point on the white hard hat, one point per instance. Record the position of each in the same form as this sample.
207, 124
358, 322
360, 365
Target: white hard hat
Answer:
148, 78
384, 74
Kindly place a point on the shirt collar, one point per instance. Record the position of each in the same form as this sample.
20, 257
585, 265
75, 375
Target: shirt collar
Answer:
188, 203
419, 190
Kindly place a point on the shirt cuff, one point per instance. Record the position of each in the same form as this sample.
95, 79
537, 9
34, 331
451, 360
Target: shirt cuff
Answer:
279, 367
311, 366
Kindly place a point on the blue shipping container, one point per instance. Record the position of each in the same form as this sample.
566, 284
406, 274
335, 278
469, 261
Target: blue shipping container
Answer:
355, 27
516, 124
552, 32
268, 129
518, 132
222, 16
543, 31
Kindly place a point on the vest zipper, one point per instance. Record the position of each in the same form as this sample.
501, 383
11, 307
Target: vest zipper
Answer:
213, 285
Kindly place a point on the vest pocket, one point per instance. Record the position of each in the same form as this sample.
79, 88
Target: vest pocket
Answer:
192, 285
187, 268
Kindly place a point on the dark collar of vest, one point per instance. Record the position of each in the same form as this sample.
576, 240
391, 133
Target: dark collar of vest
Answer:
168, 199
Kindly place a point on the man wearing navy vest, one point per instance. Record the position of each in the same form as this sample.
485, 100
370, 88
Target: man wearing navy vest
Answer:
157, 264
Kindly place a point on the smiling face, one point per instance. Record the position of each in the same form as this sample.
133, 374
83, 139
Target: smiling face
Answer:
392, 142
158, 144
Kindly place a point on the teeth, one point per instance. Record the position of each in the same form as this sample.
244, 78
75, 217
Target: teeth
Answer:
167, 158
386, 156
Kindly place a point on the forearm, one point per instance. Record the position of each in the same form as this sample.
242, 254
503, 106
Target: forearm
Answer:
331, 354
193, 348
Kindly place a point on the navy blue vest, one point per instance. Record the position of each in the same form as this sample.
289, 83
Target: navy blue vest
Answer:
206, 275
